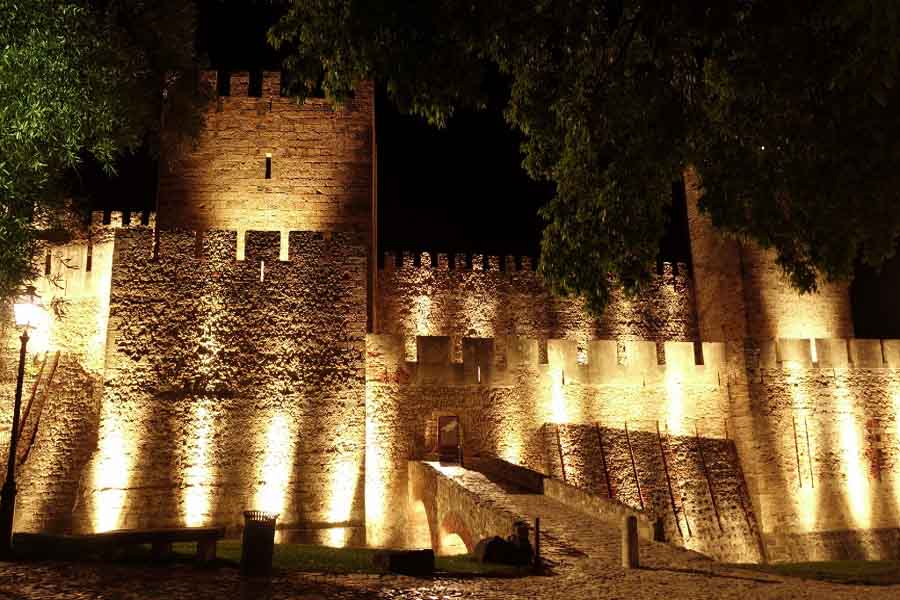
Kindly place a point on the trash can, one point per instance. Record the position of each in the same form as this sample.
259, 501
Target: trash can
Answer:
258, 543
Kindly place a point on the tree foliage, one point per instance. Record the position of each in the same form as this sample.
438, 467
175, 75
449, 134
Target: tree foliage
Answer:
80, 79
789, 112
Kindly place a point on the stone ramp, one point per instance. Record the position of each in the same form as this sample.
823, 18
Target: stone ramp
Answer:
568, 535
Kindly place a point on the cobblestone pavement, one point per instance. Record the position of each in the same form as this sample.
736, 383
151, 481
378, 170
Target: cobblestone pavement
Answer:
583, 551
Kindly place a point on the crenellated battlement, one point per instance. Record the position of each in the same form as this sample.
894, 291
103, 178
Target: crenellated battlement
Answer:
271, 87
117, 219
497, 361
428, 261
229, 246
832, 353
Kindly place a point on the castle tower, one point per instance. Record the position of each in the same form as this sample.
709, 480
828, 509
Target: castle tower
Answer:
268, 163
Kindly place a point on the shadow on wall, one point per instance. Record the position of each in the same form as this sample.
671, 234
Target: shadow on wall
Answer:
694, 484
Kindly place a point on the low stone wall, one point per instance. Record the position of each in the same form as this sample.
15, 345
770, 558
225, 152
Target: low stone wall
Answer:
605, 509
497, 469
847, 544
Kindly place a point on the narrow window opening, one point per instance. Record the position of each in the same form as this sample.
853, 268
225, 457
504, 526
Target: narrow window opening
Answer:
262, 271
48, 263
478, 373
268, 165
90, 258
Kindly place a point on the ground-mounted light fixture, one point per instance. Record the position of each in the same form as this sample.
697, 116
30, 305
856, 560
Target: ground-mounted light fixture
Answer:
27, 315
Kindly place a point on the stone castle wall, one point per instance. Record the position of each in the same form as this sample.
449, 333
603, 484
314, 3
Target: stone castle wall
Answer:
501, 296
820, 447
321, 163
232, 384
506, 398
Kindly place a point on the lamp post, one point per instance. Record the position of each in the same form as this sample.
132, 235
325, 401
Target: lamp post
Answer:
25, 313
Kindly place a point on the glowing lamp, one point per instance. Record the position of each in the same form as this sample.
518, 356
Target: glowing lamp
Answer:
26, 310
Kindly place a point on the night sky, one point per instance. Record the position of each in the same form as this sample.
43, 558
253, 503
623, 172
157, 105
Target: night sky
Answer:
461, 189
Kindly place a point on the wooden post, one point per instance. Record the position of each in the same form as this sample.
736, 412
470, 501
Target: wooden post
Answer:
537, 545
609, 490
662, 453
630, 554
634, 466
562, 462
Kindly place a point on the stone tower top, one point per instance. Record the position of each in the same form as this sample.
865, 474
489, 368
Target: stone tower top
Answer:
269, 163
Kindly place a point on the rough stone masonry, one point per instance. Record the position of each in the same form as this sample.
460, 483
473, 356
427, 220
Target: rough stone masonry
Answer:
242, 349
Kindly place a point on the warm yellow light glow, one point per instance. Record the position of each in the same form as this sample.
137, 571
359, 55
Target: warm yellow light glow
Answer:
807, 506
511, 448
344, 478
675, 405
111, 471
452, 545
376, 486
33, 317
419, 530
277, 466
559, 406
895, 474
198, 473
337, 537
852, 460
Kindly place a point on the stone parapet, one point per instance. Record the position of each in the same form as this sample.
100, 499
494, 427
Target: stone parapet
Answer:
496, 361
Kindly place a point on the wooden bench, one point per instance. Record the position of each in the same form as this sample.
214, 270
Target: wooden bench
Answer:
109, 542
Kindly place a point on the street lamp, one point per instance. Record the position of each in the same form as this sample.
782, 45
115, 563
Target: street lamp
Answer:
26, 312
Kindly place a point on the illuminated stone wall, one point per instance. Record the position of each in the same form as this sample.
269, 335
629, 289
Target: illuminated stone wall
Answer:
701, 476
820, 447
505, 398
477, 302
742, 292
64, 370
321, 160
232, 385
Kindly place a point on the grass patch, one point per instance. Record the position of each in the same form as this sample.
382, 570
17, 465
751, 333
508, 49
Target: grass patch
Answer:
309, 558
857, 572
465, 564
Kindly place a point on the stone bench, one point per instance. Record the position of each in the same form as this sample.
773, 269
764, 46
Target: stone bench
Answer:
109, 542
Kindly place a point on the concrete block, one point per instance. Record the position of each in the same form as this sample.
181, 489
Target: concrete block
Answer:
768, 355
271, 84
795, 351
891, 350
562, 356
478, 359
262, 245
521, 351
832, 353
641, 363
433, 350
866, 353
603, 364
679, 356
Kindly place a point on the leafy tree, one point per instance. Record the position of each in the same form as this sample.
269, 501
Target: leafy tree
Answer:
788, 111
81, 80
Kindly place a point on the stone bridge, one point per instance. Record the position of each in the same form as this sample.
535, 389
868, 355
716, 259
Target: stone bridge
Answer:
452, 506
